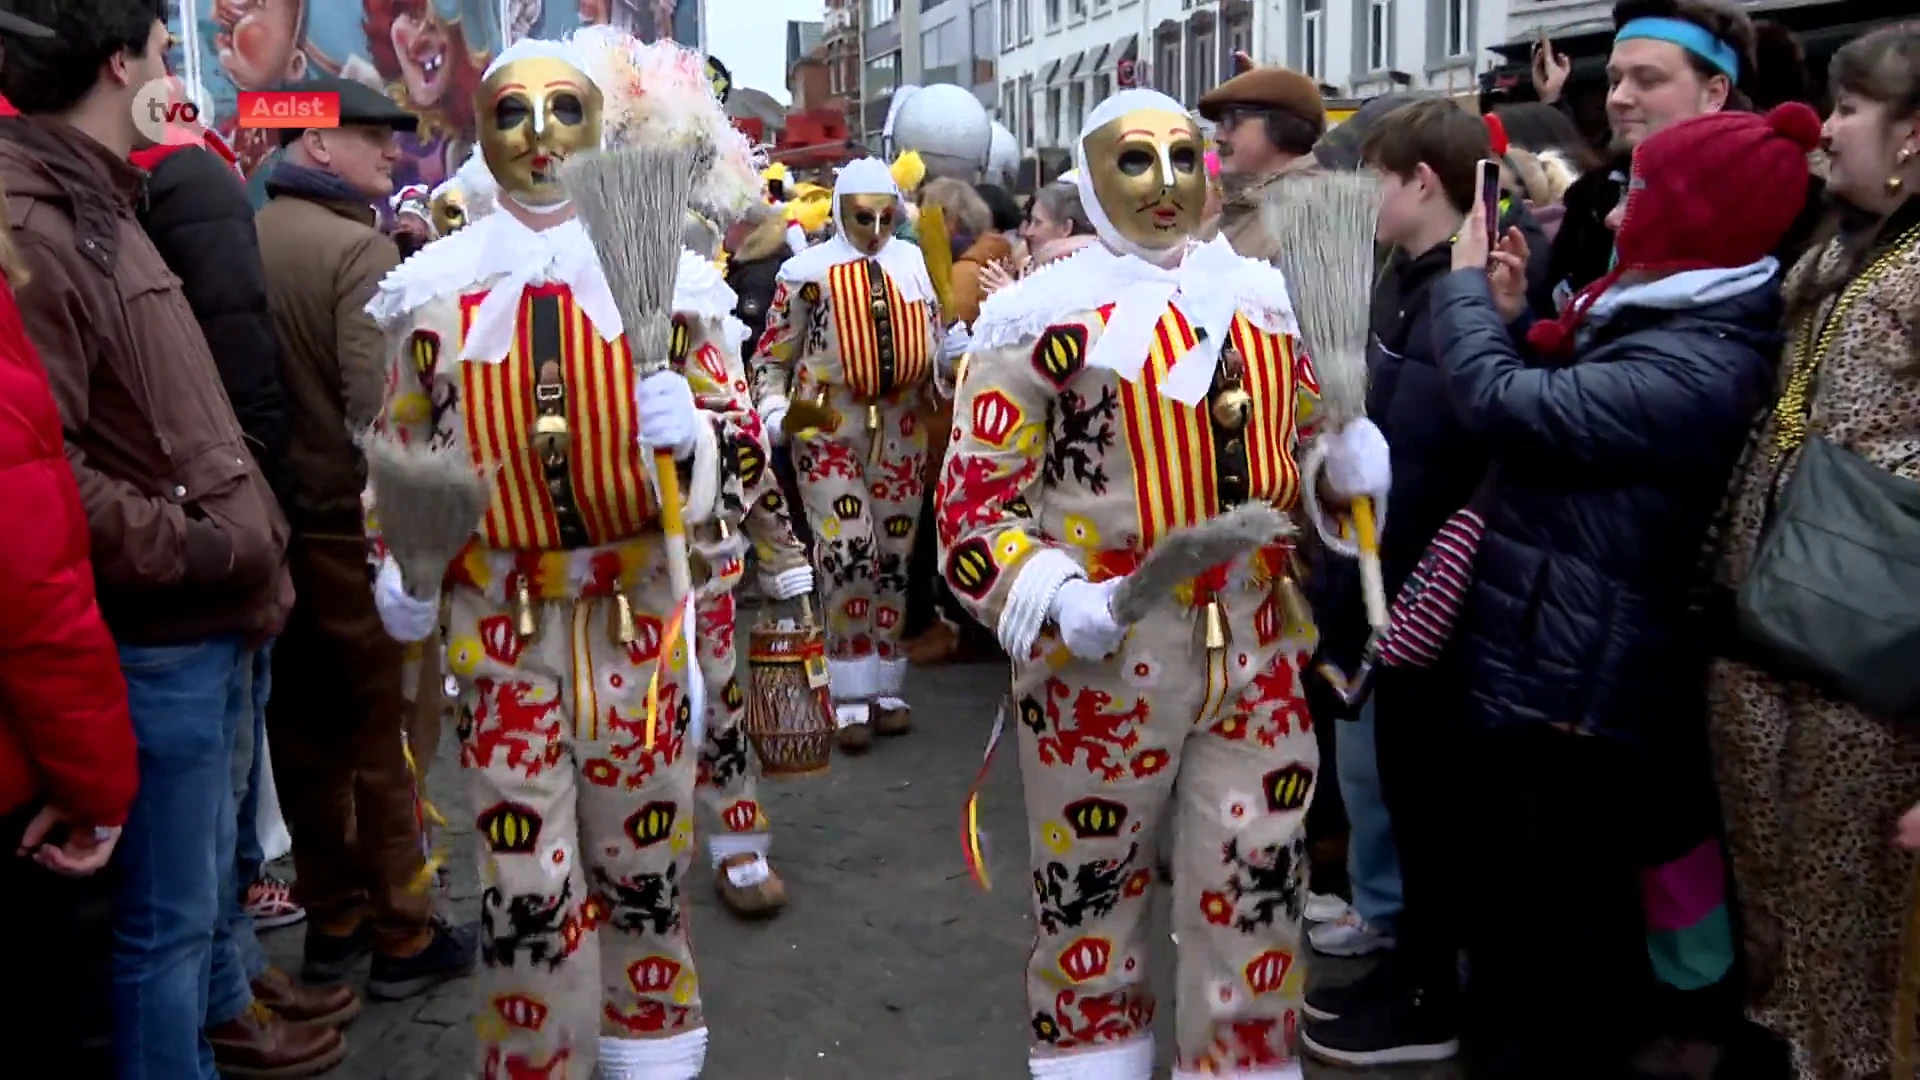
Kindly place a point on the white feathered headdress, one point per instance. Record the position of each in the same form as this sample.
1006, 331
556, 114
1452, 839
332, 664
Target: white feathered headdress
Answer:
659, 92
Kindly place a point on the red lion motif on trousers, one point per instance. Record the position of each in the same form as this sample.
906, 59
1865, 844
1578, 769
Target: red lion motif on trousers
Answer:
1106, 737
504, 718
520, 1067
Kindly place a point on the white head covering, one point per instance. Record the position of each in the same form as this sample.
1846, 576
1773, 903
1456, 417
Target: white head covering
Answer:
528, 48
901, 260
1209, 284
1113, 108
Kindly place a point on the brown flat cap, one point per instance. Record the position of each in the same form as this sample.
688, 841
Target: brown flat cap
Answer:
1271, 87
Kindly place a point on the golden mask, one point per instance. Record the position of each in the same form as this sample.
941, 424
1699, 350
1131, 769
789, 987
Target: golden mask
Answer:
533, 113
449, 212
869, 220
1149, 176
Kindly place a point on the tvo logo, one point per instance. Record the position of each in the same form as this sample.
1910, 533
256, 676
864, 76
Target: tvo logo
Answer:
173, 112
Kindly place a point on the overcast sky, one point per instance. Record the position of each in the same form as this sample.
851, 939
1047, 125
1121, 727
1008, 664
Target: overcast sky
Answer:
750, 37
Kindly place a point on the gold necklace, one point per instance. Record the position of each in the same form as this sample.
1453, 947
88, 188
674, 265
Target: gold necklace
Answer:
1794, 409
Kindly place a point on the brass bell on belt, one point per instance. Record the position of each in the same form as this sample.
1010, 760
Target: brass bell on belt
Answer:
873, 431
523, 607
1231, 408
1293, 603
1216, 627
550, 435
623, 630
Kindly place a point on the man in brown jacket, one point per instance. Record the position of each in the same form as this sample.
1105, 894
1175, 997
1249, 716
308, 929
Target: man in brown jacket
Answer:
340, 710
188, 546
1268, 119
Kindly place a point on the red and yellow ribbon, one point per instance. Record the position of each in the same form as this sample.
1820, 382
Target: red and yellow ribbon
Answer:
975, 841
669, 636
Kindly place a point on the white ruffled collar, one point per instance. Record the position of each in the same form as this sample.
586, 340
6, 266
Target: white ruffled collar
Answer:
902, 261
1211, 284
457, 264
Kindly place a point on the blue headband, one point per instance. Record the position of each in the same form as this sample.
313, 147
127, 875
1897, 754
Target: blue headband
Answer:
1689, 36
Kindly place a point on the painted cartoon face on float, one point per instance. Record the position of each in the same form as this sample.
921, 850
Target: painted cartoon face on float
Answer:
1148, 172
258, 42
869, 221
534, 113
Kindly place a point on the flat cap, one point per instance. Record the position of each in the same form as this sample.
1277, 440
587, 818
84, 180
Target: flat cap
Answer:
1270, 87
360, 105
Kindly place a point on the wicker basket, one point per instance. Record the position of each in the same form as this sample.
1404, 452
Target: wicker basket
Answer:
789, 716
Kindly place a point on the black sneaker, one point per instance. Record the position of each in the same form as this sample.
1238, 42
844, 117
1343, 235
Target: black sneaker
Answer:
328, 958
1398, 1030
1380, 982
448, 956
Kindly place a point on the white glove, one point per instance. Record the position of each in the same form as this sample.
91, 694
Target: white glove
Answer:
773, 414
1084, 613
405, 618
1358, 462
788, 584
957, 342
667, 414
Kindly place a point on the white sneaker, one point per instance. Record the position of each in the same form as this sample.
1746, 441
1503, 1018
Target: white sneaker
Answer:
1349, 935
1325, 907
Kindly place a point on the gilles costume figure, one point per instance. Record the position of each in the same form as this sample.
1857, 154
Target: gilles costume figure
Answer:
507, 344
854, 329
1143, 384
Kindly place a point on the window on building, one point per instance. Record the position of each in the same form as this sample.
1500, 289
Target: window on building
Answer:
1026, 20
1025, 100
1102, 88
1379, 35
1078, 8
1240, 37
982, 20
1053, 14
883, 74
1076, 107
1054, 127
1202, 64
1459, 27
1309, 39
1166, 67
1010, 109
1006, 24
1101, 5
879, 11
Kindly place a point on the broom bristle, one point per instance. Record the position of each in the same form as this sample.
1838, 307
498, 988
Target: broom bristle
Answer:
1186, 553
1323, 226
633, 202
429, 501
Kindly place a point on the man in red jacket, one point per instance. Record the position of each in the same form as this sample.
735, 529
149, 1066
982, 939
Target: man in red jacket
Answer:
67, 759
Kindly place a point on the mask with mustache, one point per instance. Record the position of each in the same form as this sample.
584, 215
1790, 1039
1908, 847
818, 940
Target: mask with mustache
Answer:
1148, 175
534, 112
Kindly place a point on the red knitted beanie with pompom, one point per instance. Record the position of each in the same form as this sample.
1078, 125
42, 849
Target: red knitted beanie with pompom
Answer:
1717, 191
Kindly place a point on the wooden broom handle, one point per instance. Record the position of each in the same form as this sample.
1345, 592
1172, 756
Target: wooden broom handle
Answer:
1373, 584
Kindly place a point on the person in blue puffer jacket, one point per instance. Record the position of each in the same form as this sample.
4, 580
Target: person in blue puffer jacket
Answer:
1584, 671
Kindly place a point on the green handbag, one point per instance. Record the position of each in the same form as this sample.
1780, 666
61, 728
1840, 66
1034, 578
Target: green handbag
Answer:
1834, 591
1833, 594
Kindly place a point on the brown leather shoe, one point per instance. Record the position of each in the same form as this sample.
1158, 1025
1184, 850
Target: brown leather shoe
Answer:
297, 1003
892, 721
760, 900
257, 1045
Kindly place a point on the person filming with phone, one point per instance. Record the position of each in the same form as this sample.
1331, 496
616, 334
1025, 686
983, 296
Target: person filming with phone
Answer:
1584, 719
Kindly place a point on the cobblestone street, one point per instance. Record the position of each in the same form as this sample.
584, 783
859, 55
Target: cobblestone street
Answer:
889, 963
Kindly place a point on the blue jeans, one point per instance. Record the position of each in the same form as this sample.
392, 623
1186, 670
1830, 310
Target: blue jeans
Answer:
237, 957
1373, 863
175, 853
249, 757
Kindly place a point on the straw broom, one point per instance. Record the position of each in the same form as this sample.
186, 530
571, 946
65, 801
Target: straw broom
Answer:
1322, 224
633, 203
428, 501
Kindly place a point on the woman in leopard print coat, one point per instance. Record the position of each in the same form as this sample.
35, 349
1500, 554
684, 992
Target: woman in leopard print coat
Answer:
1812, 785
